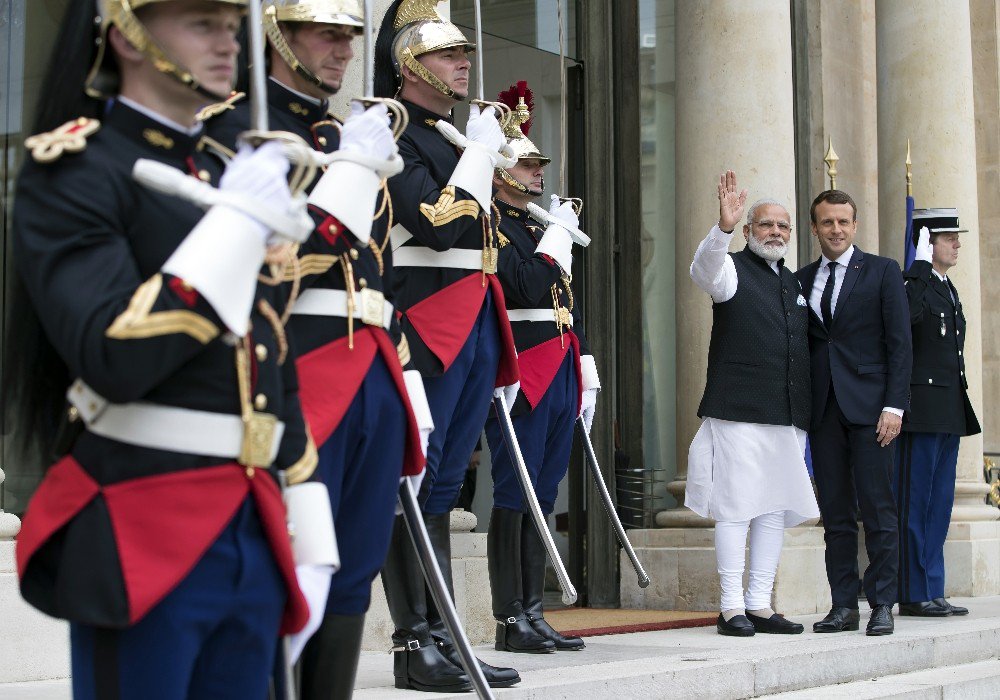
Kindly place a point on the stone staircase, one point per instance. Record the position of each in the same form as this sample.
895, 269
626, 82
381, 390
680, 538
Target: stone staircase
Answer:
955, 657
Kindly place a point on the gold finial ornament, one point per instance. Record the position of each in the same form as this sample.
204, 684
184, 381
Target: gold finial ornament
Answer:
909, 171
831, 160
417, 11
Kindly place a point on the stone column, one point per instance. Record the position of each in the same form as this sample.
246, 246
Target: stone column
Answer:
925, 91
734, 110
986, 81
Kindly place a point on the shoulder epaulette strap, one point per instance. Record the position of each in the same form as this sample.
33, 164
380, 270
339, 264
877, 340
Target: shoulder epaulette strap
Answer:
218, 108
71, 137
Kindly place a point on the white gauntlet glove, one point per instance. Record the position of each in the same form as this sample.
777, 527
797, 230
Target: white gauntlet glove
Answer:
557, 242
224, 251
474, 172
509, 394
591, 384
925, 250
349, 188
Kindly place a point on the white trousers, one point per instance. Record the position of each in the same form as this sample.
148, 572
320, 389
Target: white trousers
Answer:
767, 533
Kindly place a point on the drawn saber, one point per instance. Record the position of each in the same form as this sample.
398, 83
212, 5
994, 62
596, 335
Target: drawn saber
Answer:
397, 111
514, 449
609, 506
435, 582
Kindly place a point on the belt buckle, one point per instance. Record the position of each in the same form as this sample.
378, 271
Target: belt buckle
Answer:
564, 317
372, 307
490, 260
258, 438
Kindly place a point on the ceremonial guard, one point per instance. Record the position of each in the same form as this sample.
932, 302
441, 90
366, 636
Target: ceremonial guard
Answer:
451, 306
940, 413
559, 382
355, 394
159, 533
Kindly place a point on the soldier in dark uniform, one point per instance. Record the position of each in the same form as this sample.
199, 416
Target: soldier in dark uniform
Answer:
451, 306
940, 413
355, 394
557, 372
159, 533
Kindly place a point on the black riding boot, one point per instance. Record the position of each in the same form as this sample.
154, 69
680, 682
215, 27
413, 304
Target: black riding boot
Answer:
533, 558
439, 530
417, 661
503, 552
330, 659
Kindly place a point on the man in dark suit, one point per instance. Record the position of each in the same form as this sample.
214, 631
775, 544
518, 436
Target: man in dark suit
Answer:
860, 354
940, 413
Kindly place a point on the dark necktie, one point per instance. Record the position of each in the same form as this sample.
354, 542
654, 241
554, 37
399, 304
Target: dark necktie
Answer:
826, 301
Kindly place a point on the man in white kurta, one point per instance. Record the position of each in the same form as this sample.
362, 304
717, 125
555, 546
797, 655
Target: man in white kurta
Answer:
746, 467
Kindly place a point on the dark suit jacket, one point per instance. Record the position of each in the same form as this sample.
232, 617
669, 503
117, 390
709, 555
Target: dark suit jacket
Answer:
939, 390
867, 352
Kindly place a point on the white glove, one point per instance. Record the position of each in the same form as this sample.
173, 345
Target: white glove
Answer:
509, 394
925, 251
484, 129
314, 582
563, 211
588, 404
367, 132
260, 175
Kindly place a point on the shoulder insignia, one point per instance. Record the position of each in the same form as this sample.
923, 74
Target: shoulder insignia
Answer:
446, 209
218, 108
139, 321
502, 240
155, 137
71, 137
213, 146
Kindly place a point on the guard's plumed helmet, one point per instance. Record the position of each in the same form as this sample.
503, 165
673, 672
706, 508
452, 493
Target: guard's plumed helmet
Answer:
521, 102
103, 81
410, 29
349, 13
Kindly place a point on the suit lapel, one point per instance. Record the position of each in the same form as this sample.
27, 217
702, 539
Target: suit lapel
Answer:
850, 279
943, 289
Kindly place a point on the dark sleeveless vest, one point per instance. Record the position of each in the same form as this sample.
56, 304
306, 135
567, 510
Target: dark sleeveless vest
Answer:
758, 359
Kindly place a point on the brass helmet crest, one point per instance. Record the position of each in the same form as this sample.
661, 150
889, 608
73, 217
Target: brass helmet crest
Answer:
103, 81
521, 102
348, 13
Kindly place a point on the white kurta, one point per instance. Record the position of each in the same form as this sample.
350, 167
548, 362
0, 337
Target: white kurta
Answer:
737, 471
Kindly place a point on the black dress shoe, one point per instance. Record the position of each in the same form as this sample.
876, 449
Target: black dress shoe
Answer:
737, 626
496, 676
839, 620
562, 643
924, 609
880, 623
776, 624
955, 609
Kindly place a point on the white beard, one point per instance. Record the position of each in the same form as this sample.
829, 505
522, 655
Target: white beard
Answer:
769, 253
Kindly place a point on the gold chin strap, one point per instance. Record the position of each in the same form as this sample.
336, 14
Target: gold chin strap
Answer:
410, 61
281, 46
506, 177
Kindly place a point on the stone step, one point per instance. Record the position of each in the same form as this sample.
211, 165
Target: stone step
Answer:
975, 681
699, 663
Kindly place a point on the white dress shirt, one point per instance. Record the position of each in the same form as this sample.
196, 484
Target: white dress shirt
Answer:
819, 284
737, 471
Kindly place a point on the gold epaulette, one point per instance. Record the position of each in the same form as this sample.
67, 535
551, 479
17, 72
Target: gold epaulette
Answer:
218, 108
71, 137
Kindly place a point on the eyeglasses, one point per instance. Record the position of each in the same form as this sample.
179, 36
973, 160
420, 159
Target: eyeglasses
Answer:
767, 224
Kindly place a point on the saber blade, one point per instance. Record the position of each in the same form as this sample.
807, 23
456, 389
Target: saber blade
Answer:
521, 470
609, 506
480, 85
369, 50
258, 75
439, 592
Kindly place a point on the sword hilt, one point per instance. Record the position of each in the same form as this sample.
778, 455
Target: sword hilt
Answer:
504, 113
298, 152
399, 118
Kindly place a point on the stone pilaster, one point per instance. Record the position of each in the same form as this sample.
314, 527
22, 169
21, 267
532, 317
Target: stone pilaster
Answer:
926, 95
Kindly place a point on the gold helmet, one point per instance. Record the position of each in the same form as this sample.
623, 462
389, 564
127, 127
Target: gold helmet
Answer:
349, 13
419, 29
103, 81
520, 100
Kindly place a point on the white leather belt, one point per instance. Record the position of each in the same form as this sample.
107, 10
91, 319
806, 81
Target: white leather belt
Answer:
164, 427
535, 315
417, 256
371, 305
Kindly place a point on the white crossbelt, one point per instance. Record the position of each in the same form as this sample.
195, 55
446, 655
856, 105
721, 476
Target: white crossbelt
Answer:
533, 315
417, 256
370, 305
163, 427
